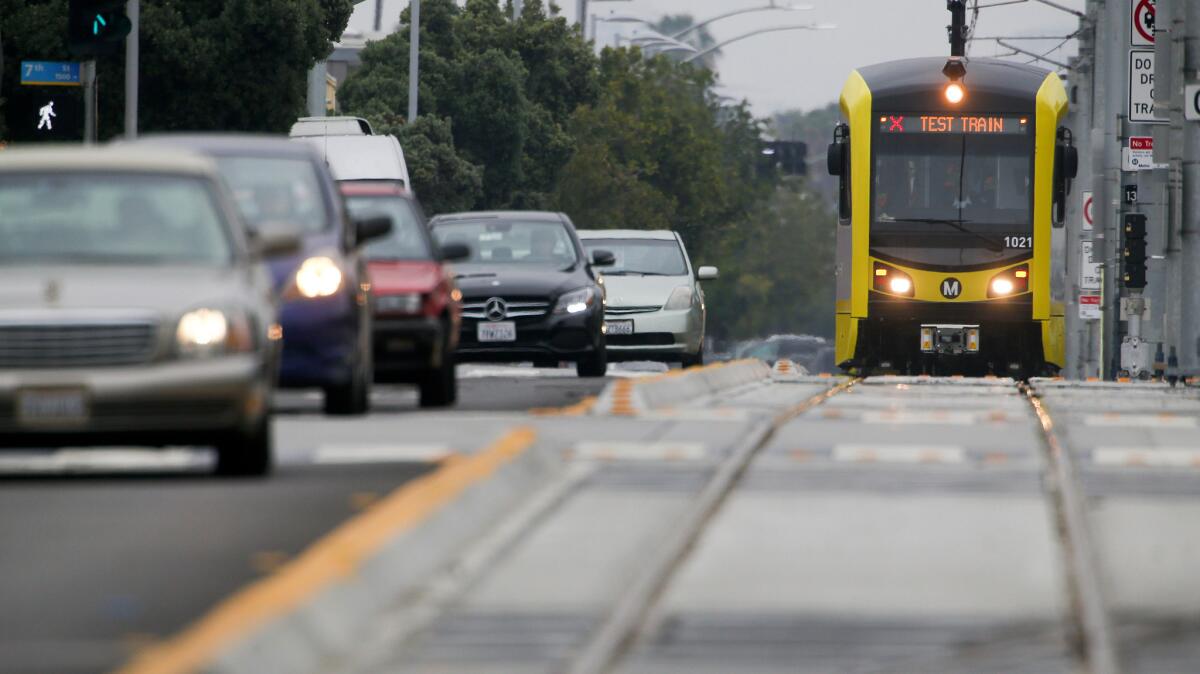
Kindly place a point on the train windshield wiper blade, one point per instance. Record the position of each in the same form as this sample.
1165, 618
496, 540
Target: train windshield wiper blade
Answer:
957, 223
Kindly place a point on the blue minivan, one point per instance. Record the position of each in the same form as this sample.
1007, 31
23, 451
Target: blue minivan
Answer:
325, 312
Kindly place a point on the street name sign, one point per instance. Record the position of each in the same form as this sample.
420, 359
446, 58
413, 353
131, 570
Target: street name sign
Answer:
50, 73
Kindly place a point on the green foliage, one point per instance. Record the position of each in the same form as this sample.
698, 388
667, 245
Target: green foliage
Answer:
236, 65
508, 88
657, 152
777, 269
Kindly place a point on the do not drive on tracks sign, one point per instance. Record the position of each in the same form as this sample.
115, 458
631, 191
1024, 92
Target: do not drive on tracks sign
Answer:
1141, 87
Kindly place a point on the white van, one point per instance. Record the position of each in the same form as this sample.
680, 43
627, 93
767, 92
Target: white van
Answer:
362, 157
331, 126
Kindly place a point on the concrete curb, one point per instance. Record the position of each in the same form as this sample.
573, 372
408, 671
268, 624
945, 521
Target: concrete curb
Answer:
630, 397
308, 616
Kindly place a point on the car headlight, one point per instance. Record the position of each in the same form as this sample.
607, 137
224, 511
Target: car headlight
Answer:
202, 331
403, 303
576, 301
681, 298
318, 277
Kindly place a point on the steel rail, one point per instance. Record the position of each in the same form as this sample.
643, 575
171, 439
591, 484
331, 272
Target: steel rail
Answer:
1093, 638
623, 623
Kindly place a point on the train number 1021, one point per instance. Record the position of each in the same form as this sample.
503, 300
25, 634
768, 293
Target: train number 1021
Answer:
1018, 242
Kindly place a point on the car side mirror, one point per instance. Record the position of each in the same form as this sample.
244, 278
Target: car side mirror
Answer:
274, 242
603, 258
373, 227
455, 251
838, 162
707, 273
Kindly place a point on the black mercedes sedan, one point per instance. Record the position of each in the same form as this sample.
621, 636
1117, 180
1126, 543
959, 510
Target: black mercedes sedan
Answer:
530, 293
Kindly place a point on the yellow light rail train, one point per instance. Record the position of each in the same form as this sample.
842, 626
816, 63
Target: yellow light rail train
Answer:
953, 176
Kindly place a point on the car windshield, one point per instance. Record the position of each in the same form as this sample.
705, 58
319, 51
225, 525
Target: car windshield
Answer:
280, 192
408, 239
110, 219
543, 243
647, 257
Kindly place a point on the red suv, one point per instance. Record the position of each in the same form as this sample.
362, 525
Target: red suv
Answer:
417, 306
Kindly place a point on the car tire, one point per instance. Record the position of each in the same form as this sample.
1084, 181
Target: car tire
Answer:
693, 359
242, 454
439, 388
351, 398
593, 365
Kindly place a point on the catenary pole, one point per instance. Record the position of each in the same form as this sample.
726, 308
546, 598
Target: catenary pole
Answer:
414, 54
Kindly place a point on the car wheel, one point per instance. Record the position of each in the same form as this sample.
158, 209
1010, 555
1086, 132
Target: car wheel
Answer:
693, 360
439, 388
594, 365
244, 454
351, 398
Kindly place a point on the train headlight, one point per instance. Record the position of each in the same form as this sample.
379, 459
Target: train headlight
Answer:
955, 93
892, 281
900, 285
1009, 282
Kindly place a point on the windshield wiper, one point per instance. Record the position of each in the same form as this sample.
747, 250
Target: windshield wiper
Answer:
956, 223
627, 272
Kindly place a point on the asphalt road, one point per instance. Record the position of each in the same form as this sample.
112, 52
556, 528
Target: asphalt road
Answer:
104, 550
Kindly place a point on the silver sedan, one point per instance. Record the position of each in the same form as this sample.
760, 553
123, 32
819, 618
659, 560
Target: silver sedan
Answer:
134, 310
655, 305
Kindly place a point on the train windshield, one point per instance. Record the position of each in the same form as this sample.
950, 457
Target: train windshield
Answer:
952, 198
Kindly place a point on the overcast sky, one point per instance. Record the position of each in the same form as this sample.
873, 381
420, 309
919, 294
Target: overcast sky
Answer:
806, 69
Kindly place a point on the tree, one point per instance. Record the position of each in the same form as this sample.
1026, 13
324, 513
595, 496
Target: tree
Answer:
657, 151
235, 65
507, 87
445, 181
700, 38
777, 269
815, 128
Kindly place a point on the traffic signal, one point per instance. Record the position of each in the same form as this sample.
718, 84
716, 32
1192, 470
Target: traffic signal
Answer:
789, 156
1133, 252
96, 27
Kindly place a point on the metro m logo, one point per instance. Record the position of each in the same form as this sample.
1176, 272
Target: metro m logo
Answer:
951, 288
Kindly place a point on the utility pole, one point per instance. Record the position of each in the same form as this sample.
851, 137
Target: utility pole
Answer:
1189, 344
414, 55
133, 11
87, 73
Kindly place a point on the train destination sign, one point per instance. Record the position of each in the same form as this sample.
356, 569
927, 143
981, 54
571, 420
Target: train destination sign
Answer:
983, 125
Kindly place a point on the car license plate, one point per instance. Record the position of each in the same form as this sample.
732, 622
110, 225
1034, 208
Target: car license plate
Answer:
619, 327
52, 407
500, 331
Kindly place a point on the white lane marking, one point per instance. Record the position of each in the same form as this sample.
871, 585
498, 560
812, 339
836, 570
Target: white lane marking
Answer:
696, 414
102, 460
899, 453
640, 451
1115, 420
1159, 457
946, 417
327, 455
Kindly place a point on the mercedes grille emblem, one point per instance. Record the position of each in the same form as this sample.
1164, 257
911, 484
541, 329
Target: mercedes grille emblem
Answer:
495, 309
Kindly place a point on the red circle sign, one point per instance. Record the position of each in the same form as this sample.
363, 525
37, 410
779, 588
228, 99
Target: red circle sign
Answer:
1087, 210
1143, 19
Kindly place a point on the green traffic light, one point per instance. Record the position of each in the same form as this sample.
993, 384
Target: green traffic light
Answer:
99, 21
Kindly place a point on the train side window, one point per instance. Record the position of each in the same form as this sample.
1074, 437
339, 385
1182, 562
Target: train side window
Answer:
1066, 165
838, 160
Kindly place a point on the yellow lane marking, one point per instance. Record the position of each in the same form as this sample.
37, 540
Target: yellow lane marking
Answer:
577, 410
337, 555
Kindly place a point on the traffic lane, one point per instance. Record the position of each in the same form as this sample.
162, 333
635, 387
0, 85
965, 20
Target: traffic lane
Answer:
480, 389
92, 567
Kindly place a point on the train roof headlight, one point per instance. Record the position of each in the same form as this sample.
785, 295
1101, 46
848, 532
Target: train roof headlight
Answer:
955, 93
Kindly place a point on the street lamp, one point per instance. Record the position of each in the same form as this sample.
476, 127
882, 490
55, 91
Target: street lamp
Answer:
760, 31
772, 6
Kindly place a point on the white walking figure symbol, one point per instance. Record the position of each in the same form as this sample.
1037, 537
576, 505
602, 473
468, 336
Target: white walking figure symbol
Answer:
46, 112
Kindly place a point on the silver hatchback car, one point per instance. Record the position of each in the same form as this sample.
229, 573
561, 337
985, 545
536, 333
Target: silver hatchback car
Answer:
133, 309
655, 305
